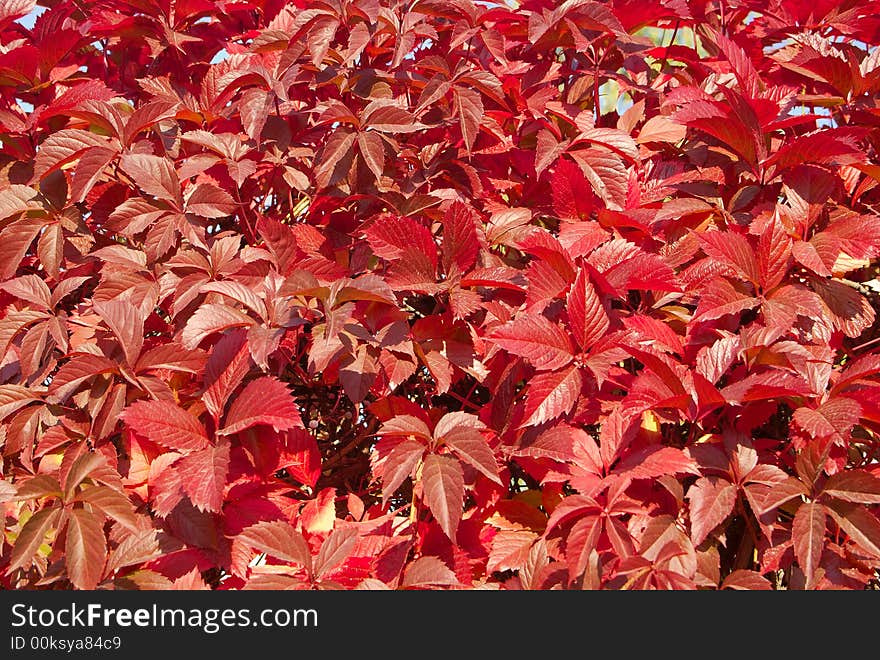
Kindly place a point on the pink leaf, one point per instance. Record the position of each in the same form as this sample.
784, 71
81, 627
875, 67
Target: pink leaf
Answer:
211, 318
711, 501
856, 486
167, 424
226, 367
154, 175
203, 476
400, 464
719, 299
209, 201
742, 579
537, 339
85, 549
126, 321
443, 487
278, 539
263, 401
586, 313
461, 433
552, 394
808, 535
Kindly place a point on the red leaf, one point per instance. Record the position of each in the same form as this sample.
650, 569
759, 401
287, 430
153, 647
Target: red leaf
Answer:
399, 465
860, 525
572, 195
82, 467
137, 548
147, 115
654, 461
192, 581
499, 277
854, 486
91, 166
833, 419
587, 316
226, 367
733, 250
552, 394
719, 299
606, 173
263, 401
443, 486
391, 236
372, 150
85, 549
774, 253
173, 357
535, 338
781, 493
357, 374
335, 549
167, 424
830, 146
711, 501
613, 139
211, 318
461, 433
16, 8
643, 271
714, 361
547, 151
545, 283
661, 128
62, 147
209, 201
460, 242
428, 572
580, 543
808, 535
75, 372
203, 476
742, 579
15, 240
336, 155
301, 457
112, 504
31, 537
126, 321
807, 255
849, 311
278, 539
469, 106
570, 507
386, 116
14, 397
280, 241
743, 69
718, 120
254, 107
768, 384
50, 249
154, 175
406, 425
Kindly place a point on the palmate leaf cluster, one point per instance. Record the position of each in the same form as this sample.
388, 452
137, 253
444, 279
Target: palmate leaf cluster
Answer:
439, 294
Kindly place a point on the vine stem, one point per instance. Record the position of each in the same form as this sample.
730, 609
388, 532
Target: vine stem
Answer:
669, 45
415, 509
244, 216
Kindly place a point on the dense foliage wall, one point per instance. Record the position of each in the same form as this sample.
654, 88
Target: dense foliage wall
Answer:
439, 293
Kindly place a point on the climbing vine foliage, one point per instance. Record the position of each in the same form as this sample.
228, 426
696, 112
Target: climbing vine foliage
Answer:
400, 294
